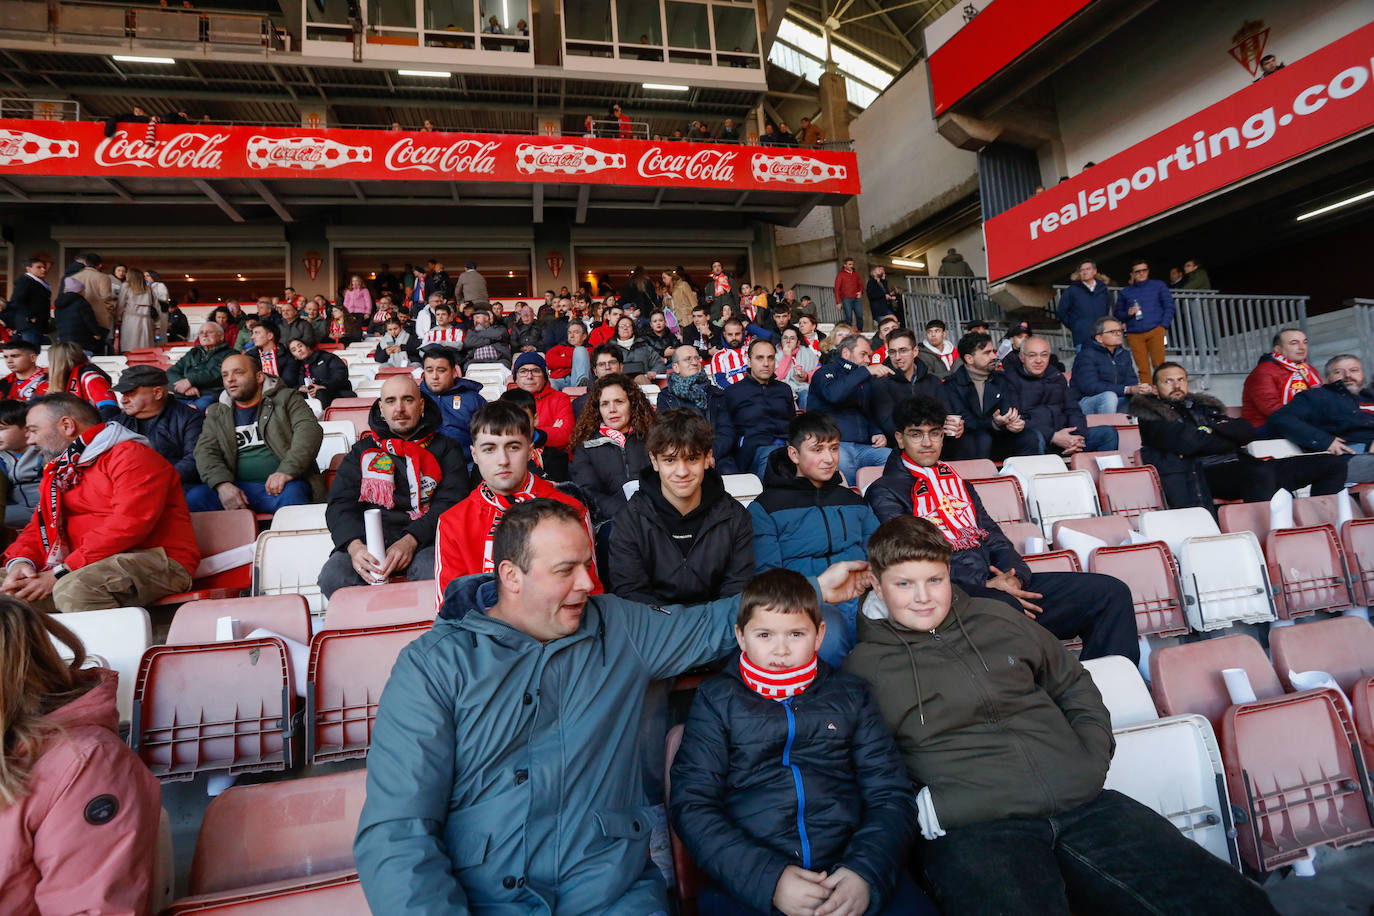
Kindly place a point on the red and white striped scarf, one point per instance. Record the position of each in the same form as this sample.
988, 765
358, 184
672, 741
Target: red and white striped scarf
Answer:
615, 435
940, 496
1301, 377
722, 283
500, 504
269, 361
776, 684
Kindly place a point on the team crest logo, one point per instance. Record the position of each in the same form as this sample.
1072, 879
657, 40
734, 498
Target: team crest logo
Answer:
457, 401
382, 464
952, 504
1248, 45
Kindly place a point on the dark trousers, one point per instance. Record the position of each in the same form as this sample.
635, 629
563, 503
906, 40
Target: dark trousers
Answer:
1095, 608
998, 446
907, 900
1257, 481
1111, 856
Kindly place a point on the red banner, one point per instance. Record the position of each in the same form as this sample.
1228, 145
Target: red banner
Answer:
211, 151
1317, 100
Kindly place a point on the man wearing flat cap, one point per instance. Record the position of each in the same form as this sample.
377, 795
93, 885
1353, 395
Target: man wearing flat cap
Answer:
171, 426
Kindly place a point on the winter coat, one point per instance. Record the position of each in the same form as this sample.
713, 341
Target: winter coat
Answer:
814, 781
889, 392
178, 325
1079, 307
100, 293
470, 287
288, 331
554, 415
358, 301
173, 434
566, 828
527, 335
201, 367
704, 341
646, 563
28, 307
845, 391
803, 527
600, 468
1097, 369
877, 292
134, 314
84, 839
716, 413
933, 363
962, 396
989, 710
1198, 279
661, 343
640, 358
555, 332
954, 265
643, 296
1183, 439
716, 303
495, 336
344, 515
408, 355
126, 498
1263, 390
456, 407
849, 284
1315, 417
684, 300
326, 370
1044, 402
286, 425
74, 320
1156, 306
23, 471
759, 414
890, 496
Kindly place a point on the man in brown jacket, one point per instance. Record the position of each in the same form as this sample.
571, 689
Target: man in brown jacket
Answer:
99, 289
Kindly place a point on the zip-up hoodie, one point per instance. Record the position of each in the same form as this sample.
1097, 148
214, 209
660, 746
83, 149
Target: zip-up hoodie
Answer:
988, 709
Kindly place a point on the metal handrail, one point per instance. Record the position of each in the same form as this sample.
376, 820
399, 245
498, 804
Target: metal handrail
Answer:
18, 107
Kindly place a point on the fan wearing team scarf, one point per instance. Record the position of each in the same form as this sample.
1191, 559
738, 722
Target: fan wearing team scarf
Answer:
405, 468
788, 789
502, 436
1278, 377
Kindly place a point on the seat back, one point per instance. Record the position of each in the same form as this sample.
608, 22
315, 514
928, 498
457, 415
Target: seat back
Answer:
1021, 534
308, 517
1251, 517
1357, 539
1069, 494
1110, 529
115, 638
220, 532
1123, 690
1128, 441
226, 706
355, 415
197, 622
347, 403
1151, 574
1031, 465
332, 445
865, 476
745, 488
348, 670
1324, 510
1225, 581
1187, 678
1108, 419
278, 831
1343, 647
1174, 526
1087, 461
1130, 491
289, 562
689, 877
974, 467
1307, 571
1001, 497
380, 605
1054, 561
1273, 448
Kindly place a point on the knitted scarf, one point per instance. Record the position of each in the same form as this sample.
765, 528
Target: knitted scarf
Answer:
776, 684
1300, 378
269, 361
940, 496
694, 390
722, 283
423, 473
336, 329
947, 353
500, 504
615, 435
59, 476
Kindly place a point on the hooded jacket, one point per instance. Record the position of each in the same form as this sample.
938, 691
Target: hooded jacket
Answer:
814, 781
344, 515
1097, 369
84, 840
989, 711
1316, 417
1182, 439
1080, 307
640, 357
600, 468
173, 434
326, 370
1044, 402
502, 777
286, 425
845, 391
24, 471
456, 407
126, 498
896, 388
1263, 391
803, 527
935, 365
646, 562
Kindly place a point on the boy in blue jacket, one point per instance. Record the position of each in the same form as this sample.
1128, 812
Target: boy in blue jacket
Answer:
458, 398
788, 789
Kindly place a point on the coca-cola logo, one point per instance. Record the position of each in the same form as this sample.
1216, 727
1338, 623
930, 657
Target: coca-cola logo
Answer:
465, 156
190, 150
558, 160
703, 165
295, 154
790, 169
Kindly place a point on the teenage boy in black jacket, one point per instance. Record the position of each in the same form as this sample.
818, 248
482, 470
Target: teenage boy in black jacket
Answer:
788, 789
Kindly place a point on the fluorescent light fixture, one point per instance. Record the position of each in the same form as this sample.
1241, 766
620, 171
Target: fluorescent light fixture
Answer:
666, 87
903, 262
1337, 205
433, 74
129, 59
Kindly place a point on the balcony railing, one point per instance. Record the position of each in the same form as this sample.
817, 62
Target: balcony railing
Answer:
146, 27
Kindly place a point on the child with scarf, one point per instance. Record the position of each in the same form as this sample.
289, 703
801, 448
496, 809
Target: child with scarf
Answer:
397, 346
788, 789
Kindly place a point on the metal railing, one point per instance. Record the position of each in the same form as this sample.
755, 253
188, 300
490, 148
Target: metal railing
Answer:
141, 26
1364, 331
957, 301
613, 128
40, 109
823, 298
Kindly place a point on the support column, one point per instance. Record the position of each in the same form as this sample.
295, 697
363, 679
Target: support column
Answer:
834, 120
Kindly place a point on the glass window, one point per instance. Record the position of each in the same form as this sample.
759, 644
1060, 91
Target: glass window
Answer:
395, 14
736, 29
587, 20
638, 23
448, 15
687, 25
334, 12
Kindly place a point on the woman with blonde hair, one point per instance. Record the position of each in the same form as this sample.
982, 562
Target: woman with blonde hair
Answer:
135, 313
839, 332
357, 300
69, 370
78, 810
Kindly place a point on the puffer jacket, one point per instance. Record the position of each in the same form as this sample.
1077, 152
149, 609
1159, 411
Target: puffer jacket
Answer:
803, 527
504, 804
84, 840
1044, 402
1262, 394
645, 559
962, 397
329, 372
287, 426
1097, 369
600, 468
640, 358
989, 711
456, 407
526, 335
814, 781
1315, 417
201, 367
1156, 306
173, 434
1182, 439
74, 320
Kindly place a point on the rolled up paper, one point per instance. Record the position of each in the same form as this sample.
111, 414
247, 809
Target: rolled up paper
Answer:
1345, 509
372, 528
1034, 545
1281, 511
1238, 685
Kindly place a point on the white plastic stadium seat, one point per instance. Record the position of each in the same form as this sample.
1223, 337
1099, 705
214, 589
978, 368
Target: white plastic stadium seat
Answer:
1273, 448
1065, 495
345, 427
1224, 576
1123, 690
1174, 526
309, 517
289, 562
114, 638
743, 487
332, 444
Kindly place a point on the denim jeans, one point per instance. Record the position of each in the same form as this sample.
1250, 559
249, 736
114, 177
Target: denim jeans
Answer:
907, 900
852, 311
203, 498
1103, 402
758, 462
338, 571
1112, 855
580, 374
855, 455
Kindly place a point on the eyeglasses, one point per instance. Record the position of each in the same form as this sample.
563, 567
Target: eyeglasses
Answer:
920, 435
1111, 330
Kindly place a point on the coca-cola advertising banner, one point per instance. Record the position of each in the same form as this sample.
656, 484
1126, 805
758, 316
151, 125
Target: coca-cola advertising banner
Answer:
1315, 101
208, 151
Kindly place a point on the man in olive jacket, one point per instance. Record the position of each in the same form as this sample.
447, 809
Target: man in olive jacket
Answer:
195, 377
258, 446
1009, 742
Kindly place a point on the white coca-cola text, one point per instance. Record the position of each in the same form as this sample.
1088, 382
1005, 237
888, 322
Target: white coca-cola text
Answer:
783, 169
465, 156
191, 150
703, 165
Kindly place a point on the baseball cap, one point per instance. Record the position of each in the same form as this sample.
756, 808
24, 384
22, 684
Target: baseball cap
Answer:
140, 377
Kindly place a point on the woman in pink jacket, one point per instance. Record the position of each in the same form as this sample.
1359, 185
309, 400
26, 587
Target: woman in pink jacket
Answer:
78, 810
357, 299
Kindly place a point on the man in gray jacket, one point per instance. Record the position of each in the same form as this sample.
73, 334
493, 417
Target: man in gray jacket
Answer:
503, 776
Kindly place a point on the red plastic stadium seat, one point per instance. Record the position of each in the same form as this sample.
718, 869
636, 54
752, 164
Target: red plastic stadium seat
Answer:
348, 670
1019, 532
355, 415
1128, 440
337, 894
277, 832
225, 706
1130, 491
1002, 497
1087, 461
1187, 678
1111, 529
380, 605
1305, 565
865, 476
1054, 561
1323, 510
1357, 538
1108, 419
974, 468
1343, 647
689, 876
196, 622
333, 470
217, 532
391, 371
1152, 576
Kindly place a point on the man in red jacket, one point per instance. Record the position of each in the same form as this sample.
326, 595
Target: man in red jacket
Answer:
112, 528
1278, 378
849, 288
555, 408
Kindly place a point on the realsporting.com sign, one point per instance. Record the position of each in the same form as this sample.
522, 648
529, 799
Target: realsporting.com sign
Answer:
1310, 103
